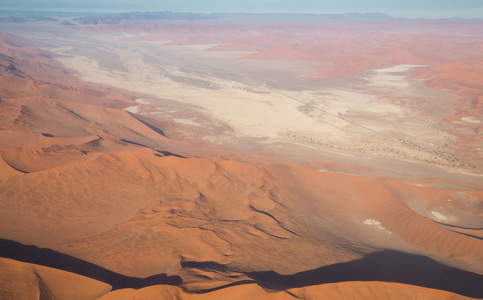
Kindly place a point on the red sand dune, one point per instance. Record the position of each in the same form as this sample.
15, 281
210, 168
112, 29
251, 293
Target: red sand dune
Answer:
320, 50
30, 281
356, 64
23, 52
177, 196
346, 290
353, 55
150, 211
27, 281
19, 62
465, 78
455, 75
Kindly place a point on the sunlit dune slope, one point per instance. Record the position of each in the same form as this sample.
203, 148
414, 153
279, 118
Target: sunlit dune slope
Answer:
12, 85
325, 50
465, 78
346, 290
28, 281
466, 73
140, 202
203, 219
23, 52
53, 120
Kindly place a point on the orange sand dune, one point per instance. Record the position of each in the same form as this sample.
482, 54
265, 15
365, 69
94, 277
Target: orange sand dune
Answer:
33, 159
465, 78
54, 120
357, 64
320, 50
23, 48
477, 104
466, 73
346, 290
17, 87
23, 52
357, 53
31, 61
6, 171
138, 199
28, 281
352, 56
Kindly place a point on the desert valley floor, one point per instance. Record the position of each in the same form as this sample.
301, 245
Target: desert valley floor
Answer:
241, 157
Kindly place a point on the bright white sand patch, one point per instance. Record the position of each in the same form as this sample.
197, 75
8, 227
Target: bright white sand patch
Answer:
135, 109
439, 216
400, 68
187, 122
376, 224
390, 76
132, 109
142, 101
470, 120
166, 110
343, 173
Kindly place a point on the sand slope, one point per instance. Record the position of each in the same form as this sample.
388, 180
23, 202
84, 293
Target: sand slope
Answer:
466, 73
27, 281
347, 290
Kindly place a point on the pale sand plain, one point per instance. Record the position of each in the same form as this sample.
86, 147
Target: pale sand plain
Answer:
379, 115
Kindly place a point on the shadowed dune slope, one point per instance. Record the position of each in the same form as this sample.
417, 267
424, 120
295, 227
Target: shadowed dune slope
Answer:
386, 275
48, 258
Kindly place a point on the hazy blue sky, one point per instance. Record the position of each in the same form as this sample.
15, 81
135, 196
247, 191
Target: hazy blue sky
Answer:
397, 8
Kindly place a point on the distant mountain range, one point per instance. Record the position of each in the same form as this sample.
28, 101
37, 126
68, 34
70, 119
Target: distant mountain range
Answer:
114, 18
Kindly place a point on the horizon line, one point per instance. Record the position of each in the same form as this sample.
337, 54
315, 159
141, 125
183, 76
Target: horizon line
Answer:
237, 13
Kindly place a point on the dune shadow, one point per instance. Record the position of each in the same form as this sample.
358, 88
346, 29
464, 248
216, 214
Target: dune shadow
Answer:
167, 153
204, 265
133, 143
149, 125
385, 266
57, 260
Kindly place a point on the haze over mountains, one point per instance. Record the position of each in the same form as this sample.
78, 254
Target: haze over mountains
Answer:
220, 158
